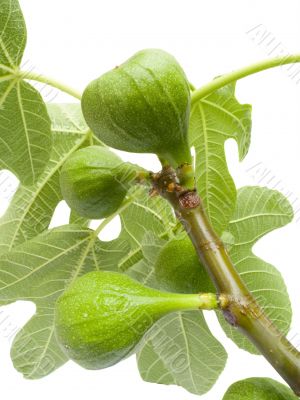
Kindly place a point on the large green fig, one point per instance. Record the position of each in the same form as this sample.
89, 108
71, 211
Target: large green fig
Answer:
177, 268
94, 181
142, 106
102, 317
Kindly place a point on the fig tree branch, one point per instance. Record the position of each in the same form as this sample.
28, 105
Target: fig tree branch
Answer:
242, 310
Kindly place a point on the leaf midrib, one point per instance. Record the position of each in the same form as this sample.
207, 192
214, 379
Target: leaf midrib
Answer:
25, 130
233, 221
33, 271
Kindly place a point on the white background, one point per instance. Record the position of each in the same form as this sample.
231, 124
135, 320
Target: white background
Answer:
77, 41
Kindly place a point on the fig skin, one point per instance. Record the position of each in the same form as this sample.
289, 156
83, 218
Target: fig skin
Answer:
178, 269
142, 106
94, 181
102, 317
259, 388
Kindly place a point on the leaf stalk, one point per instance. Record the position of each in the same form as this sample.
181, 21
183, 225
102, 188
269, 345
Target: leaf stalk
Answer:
234, 76
32, 76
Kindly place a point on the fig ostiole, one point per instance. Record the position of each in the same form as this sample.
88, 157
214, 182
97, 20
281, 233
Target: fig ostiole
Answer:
142, 106
103, 316
94, 181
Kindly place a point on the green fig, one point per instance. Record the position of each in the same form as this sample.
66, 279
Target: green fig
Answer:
142, 106
260, 389
178, 269
94, 181
102, 317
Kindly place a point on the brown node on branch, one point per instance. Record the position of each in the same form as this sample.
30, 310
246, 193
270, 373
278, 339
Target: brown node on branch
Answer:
188, 200
166, 182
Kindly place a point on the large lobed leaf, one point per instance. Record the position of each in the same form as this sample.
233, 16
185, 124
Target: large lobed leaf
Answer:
32, 207
180, 349
25, 133
259, 211
214, 119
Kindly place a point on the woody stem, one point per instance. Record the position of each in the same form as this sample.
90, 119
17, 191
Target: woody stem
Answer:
242, 310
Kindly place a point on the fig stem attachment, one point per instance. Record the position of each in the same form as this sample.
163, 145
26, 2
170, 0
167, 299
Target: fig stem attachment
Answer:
202, 301
212, 301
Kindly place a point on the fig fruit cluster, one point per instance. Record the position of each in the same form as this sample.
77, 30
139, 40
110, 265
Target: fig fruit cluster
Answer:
141, 106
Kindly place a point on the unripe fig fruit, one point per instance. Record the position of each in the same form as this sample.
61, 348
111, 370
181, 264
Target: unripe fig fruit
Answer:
94, 181
102, 317
259, 389
142, 106
178, 269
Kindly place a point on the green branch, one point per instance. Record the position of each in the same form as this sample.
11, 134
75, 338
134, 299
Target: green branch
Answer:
241, 309
243, 312
224, 80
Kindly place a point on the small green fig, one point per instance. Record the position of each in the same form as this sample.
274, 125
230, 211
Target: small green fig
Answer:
142, 106
177, 268
102, 317
259, 389
94, 181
